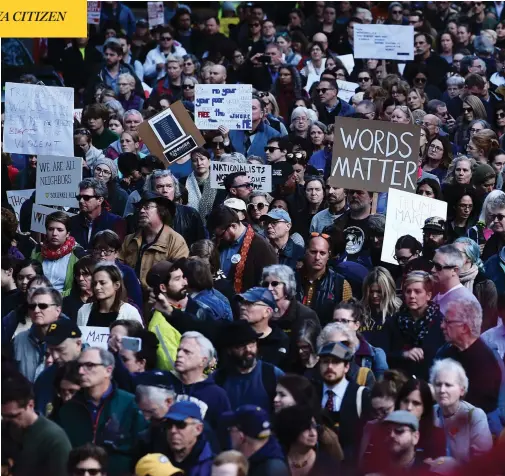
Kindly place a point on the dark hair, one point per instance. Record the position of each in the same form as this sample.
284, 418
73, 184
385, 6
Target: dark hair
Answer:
459, 193
426, 397
201, 151
128, 162
301, 389
87, 451
87, 264
473, 80
59, 217
495, 152
207, 250
290, 422
39, 279
108, 238
116, 277
215, 18
434, 184
69, 371
197, 272
8, 262
221, 217
332, 82
115, 47
230, 179
410, 243
355, 306
384, 389
95, 111
133, 328
149, 348
17, 388
447, 154
152, 162
26, 263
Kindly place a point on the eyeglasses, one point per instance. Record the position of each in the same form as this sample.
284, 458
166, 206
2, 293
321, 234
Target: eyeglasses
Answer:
402, 259
101, 171
88, 365
324, 90
85, 471
420, 80
440, 267
448, 323
493, 217
473, 130
465, 206
256, 206
189, 63
500, 115
436, 148
274, 284
344, 321
217, 145
180, 425
148, 207
100, 252
244, 185
364, 80
42, 306
271, 149
166, 38
188, 86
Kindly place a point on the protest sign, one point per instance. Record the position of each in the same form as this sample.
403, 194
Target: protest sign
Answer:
94, 11
405, 216
260, 175
16, 198
155, 14
347, 61
228, 105
374, 155
57, 180
38, 119
95, 336
78, 115
346, 90
394, 42
39, 215
171, 134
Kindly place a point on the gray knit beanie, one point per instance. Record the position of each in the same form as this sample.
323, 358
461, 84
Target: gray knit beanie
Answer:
110, 164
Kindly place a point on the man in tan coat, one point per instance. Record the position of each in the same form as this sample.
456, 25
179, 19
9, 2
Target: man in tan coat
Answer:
155, 240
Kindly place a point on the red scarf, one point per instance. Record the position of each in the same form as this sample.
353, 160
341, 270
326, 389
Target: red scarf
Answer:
244, 250
65, 249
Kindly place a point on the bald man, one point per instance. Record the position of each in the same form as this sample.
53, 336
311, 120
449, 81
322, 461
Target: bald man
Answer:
217, 74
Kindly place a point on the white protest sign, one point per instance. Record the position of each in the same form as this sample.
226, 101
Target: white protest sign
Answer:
228, 105
346, 90
57, 180
94, 10
155, 14
348, 62
260, 175
78, 115
405, 216
95, 336
16, 199
393, 42
38, 119
39, 215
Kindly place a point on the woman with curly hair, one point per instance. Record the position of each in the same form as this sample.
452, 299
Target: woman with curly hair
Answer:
287, 89
438, 157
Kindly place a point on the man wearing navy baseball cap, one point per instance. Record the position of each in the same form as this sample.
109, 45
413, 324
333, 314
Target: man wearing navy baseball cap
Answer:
257, 306
188, 448
250, 433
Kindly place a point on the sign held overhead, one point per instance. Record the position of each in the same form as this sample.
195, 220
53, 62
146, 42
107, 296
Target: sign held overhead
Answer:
393, 42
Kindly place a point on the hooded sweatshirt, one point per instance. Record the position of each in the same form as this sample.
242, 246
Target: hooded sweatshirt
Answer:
269, 460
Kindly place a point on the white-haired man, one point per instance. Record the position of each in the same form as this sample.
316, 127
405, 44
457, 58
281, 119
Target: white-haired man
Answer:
461, 327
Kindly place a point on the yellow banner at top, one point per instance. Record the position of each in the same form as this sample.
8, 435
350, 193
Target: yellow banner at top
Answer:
43, 19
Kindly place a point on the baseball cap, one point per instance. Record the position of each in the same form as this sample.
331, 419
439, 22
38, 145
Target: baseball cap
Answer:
60, 330
250, 420
181, 410
403, 417
236, 204
277, 214
337, 350
258, 294
155, 464
159, 273
281, 172
143, 23
482, 173
434, 224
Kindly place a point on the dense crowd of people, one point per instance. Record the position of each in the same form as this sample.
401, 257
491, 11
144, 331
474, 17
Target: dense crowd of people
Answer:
254, 333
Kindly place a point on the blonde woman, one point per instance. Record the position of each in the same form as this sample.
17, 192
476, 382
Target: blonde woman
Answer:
380, 303
472, 109
481, 144
402, 115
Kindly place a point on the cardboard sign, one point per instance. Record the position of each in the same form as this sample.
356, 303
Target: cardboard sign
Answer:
346, 90
374, 155
94, 11
260, 175
155, 14
169, 129
228, 105
16, 198
394, 42
57, 180
38, 119
39, 215
405, 216
95, 336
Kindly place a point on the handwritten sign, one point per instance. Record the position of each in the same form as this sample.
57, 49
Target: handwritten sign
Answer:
94, 10
16, 198
78, 115
228, 105
395, 42
38, 119
346, 90
374, 155
155, 14
406, 215
39, 215
57, 180
95, 336
260, 175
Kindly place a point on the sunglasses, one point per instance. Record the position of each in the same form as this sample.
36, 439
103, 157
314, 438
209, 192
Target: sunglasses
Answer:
256, 206
274, 284
440, 267
180, 425
272, 149
500, 115
402, 259
364, 80
420, 80
397, 12
244, 185
166, 38
188, 86
217, 145
42, 306
467, 109
323, 90
86, 198
90, 471
493, 217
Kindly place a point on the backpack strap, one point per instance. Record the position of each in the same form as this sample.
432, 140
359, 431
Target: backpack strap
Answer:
359, 400
362, 376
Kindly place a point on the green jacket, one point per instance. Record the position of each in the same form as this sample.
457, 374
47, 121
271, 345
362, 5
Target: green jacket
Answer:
117, 427
69, 277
